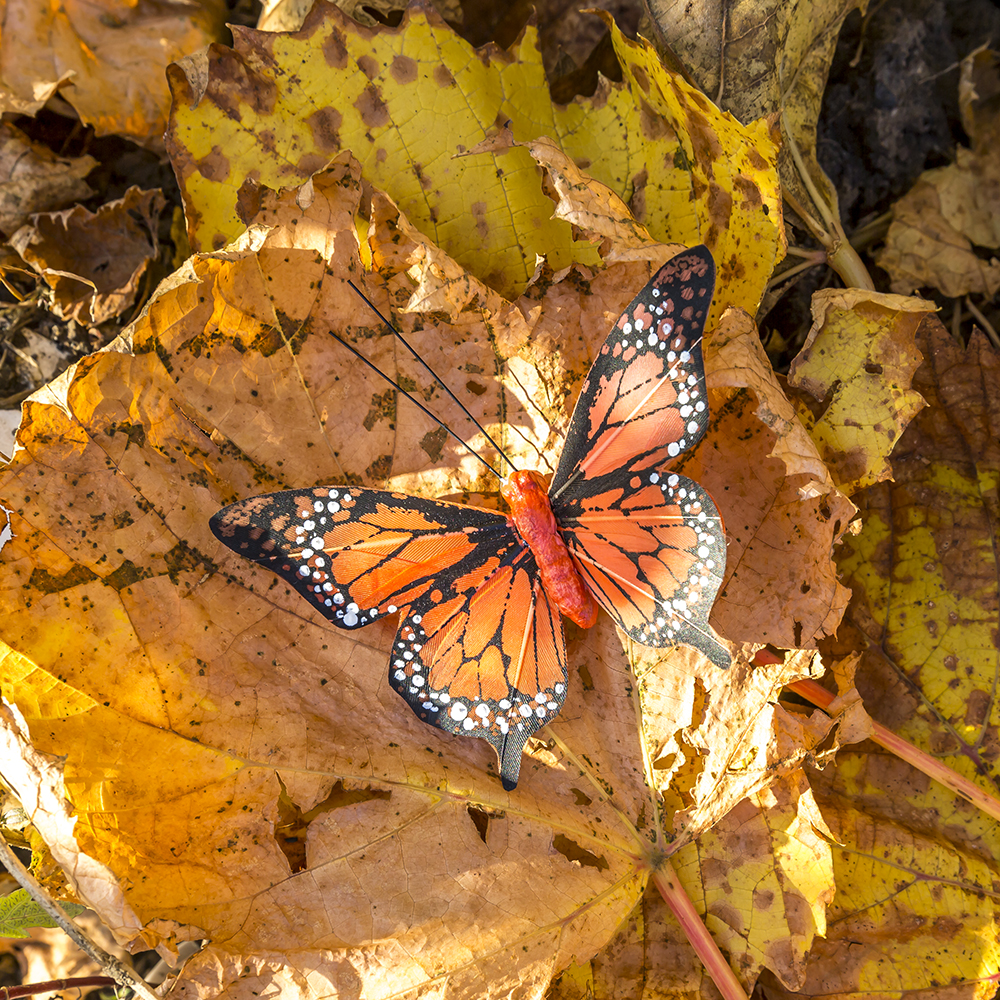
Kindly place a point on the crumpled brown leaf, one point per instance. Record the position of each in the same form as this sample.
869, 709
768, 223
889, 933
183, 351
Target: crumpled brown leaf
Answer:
93, 261
33, 179
107, 59
952, 210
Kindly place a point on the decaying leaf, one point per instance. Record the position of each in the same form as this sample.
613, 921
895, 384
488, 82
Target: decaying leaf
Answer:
758, 59
93, 261
952, 210
279, 106
917, 865
134, 637
34, 179
106, 58
856, 368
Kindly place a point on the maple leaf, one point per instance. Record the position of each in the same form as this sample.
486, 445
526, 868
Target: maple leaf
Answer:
158, 644
917, 864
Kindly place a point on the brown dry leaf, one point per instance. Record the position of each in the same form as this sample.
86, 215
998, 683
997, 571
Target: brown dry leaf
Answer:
33, 179
855, 371
918, 865
782, 511
93, 261
952, 210
105, 57
758, 58
297, 777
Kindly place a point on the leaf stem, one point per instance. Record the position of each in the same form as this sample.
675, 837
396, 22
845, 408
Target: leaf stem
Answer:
54, 986
665, 880
905, 750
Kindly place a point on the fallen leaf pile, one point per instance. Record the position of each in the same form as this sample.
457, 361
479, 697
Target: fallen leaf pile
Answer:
204, 758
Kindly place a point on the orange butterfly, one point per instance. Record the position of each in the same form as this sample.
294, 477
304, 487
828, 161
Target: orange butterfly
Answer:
480, 649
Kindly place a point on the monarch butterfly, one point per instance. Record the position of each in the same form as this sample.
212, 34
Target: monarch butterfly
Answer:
480, 649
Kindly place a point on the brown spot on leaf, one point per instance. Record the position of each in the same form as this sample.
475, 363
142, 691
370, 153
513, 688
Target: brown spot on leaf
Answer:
335, 50
641, 77
977, 708
433, 443
368, 66
748, 193
403, 69
215, 166
380, 468
325, 127
653, 125
443, 76
637, 203
475, 387
479, 209
45, 582
373, 110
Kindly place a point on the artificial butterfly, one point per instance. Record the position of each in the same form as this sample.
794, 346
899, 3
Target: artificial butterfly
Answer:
480, 649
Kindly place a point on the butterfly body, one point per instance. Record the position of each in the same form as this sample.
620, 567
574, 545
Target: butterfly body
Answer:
532, 516
480, 650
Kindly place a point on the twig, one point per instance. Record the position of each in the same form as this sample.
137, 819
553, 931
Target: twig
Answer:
108, 963
984, 323
53, 986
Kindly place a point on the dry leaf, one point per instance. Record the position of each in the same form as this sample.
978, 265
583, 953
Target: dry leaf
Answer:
952, 210
856, 367
296, 775
757, 59
34, 179
917, 865
93, 261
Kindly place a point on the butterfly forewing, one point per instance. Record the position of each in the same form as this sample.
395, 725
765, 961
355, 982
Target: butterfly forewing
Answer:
491, 664
644, 400
359, 554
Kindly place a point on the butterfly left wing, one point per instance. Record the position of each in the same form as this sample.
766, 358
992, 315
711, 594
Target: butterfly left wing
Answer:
479, 650
652, 549
490, 664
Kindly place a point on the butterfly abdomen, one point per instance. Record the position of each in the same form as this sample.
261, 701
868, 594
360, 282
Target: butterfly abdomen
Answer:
532, 516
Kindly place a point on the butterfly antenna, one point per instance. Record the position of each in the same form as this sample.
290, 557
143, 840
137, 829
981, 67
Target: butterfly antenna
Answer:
440, 382
416, 402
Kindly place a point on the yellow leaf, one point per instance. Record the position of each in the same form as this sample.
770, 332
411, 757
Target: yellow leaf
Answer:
409, 101
857, 364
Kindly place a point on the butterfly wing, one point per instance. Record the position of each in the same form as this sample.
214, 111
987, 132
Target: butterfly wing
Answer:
644, 400
649, 543
490, 663
479, 650
652, 548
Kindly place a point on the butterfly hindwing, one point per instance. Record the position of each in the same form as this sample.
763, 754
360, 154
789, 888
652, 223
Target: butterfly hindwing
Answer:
489, 664
651, 547
644, 400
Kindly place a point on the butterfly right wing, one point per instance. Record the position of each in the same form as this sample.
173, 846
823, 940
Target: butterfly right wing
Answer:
479, 650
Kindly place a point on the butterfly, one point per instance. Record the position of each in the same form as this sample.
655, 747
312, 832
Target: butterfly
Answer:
480, 649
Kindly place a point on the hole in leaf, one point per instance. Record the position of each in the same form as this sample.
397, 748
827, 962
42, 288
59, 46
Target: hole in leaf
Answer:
293, 824
572, 851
